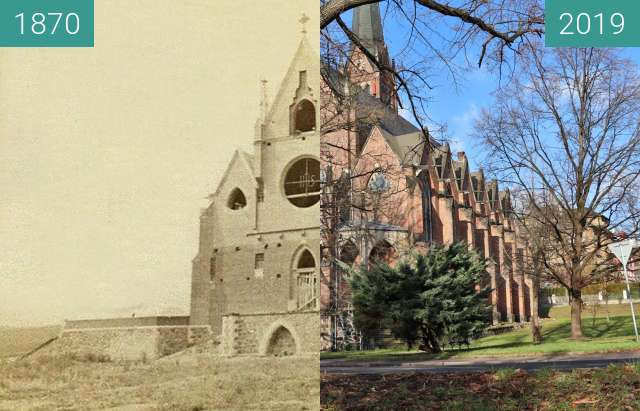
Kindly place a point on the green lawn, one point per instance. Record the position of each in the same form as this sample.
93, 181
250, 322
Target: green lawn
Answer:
600, 336
587, 312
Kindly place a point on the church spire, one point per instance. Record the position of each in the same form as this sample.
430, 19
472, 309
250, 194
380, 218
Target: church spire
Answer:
367, 25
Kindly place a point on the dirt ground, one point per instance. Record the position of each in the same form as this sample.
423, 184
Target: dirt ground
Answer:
192, 383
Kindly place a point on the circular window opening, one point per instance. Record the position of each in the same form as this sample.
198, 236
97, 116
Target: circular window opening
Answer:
302, 183
378, 182
237, 200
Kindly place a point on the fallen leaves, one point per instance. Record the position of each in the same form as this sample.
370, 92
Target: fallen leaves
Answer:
584, 401
610, 388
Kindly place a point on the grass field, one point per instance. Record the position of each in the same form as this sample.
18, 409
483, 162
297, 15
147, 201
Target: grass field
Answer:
587, 312
612, 388
189, 383
601, 335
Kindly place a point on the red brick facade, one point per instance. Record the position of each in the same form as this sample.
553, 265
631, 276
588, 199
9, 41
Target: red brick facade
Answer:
404, 193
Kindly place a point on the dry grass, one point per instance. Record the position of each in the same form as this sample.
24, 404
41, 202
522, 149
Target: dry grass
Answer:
194, 382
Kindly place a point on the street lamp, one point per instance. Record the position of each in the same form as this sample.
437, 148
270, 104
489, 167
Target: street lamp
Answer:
622, 250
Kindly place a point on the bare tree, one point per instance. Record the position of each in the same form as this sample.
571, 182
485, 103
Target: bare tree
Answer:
565, 131
493, 25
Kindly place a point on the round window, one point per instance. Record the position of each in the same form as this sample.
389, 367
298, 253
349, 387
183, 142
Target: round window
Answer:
378, 182
302, 183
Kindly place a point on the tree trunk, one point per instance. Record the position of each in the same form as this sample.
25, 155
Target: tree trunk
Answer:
429, 342
576, 315
536, 332
534, 301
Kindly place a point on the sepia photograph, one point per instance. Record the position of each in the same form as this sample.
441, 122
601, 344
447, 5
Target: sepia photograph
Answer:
160, 229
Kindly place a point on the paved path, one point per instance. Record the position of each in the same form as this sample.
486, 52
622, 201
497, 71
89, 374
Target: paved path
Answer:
562, 363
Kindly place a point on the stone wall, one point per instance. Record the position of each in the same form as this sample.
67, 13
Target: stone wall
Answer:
127, 322
260, 333
129, 343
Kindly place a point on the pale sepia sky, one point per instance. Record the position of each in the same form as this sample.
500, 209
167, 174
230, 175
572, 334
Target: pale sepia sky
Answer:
107, 154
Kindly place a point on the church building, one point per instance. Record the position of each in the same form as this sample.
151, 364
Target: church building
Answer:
395, 189
255, 278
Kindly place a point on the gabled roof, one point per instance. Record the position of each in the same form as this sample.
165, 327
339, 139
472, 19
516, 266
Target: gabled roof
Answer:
303, 55
241, 159
249, 160
371, 111
407, 147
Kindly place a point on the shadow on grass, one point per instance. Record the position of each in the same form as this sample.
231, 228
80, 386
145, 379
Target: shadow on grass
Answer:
556, 342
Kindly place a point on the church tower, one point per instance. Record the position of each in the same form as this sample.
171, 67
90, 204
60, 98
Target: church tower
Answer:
258, 257
367, 26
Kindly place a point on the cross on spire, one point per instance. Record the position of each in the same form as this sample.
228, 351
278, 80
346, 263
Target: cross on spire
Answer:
303, 20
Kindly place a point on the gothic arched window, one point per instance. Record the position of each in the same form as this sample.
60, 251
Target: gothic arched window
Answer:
302, 183
306, 281
382, 252
306, 260
304, 117
236, 200
349, 253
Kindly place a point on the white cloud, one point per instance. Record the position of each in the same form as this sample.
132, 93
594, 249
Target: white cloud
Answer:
461, 127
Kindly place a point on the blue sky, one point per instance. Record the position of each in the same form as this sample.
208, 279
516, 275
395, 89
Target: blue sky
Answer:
459, 106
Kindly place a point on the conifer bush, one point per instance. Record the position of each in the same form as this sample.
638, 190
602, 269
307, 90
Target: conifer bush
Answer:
433, 300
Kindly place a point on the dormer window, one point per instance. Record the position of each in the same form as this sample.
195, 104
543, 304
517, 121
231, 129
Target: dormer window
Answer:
237, 200
304, 117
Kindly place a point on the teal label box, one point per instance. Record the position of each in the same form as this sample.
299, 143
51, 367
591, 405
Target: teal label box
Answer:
46, 23
592, 23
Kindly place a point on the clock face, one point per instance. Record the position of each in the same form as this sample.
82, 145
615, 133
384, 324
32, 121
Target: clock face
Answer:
378, 182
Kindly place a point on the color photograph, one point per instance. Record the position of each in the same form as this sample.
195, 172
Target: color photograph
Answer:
481, 209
